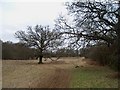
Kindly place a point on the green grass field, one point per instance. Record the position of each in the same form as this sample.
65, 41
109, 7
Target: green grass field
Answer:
93, 77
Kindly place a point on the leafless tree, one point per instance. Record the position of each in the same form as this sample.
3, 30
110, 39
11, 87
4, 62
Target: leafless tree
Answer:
93, 21
40, 37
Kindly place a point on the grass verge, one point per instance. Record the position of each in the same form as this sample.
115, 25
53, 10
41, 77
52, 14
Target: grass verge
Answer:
93, 77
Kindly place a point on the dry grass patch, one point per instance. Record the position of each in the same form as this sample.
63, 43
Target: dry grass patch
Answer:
29, 74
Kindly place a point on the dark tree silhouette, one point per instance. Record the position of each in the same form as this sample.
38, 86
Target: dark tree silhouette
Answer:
93, 21
1, 48
40, 37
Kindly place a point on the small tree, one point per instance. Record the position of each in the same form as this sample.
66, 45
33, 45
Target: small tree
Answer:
40, 37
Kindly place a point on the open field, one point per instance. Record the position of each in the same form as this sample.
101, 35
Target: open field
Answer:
55, 74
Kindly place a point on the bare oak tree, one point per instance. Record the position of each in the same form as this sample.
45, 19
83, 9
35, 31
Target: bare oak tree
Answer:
40, 37
93, 21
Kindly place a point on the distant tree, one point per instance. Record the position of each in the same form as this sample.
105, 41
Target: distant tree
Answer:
65, 52
40, 37
1, 49
16, 51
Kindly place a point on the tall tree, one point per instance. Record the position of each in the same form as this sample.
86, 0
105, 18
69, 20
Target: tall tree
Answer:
40, 37
93, 21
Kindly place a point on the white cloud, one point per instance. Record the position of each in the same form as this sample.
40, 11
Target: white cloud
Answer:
18, 15
35, 0
32, 12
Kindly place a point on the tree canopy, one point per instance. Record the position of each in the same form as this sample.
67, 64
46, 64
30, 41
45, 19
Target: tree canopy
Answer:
93, 21
40, 37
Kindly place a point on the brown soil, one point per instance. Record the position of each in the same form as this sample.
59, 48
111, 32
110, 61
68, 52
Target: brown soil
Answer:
60, 79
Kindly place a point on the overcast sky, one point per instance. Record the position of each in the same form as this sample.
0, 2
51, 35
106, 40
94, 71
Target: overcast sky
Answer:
18, 14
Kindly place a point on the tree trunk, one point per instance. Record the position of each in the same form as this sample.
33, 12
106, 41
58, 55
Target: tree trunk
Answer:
40, 56
118, 39
40, 59
118, 45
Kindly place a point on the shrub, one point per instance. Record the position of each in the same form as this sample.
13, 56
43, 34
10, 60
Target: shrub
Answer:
100, 54
104, 55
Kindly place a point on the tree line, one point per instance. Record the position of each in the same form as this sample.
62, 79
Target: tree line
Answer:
16, 51
20, 51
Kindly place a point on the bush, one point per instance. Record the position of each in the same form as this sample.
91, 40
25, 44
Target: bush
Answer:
104, 55
114, 61
100, 54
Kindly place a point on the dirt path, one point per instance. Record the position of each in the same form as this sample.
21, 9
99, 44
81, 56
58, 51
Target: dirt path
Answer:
28, 74
60, 79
